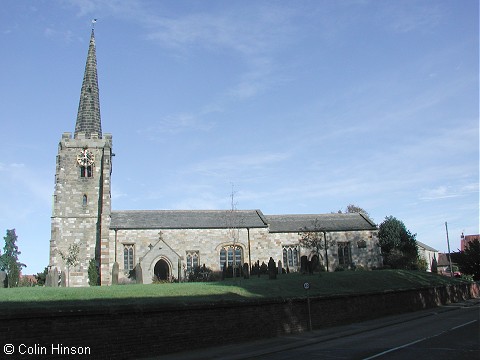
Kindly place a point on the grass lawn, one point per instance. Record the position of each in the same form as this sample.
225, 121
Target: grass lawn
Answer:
286, 286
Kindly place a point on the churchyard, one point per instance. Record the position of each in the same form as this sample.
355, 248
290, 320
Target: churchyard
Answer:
285, 286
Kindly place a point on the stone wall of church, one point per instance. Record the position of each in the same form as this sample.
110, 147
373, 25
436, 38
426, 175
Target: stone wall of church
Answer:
362, 245
207, 243
257, 245
78, 204
67, 231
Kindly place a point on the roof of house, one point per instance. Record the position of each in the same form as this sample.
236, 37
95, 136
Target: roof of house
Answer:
443, 260
319, 222
186, 219
426, 247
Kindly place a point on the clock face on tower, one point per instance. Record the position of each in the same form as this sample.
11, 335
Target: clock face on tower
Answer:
85, 158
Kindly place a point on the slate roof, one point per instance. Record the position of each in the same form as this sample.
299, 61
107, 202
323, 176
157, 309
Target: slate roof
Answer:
327, 222
88, 117
186, 219
425, 246
443, 260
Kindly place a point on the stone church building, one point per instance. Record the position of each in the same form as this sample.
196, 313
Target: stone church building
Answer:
168, 244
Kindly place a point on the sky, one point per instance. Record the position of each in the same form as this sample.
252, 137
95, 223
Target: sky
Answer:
294, 107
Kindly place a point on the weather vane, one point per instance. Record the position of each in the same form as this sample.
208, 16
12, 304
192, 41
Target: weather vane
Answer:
93, 23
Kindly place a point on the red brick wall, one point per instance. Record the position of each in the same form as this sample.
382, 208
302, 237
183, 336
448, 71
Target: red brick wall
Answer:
126, 331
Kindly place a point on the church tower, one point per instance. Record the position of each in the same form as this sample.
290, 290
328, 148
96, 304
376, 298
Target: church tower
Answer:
82, 195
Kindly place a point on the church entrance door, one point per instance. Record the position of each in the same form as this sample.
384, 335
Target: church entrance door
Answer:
162, 270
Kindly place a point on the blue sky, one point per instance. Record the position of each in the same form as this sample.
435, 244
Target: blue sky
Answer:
302, 106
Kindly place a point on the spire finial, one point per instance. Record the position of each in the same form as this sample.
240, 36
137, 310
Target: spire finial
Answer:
93, 24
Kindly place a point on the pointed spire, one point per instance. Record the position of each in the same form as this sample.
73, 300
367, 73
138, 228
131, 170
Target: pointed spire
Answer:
88, 117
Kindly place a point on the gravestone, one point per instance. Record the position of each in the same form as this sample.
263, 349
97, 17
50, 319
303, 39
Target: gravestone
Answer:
52, 278
246, 272
3, 279
279, 266
55, 278
115, 270
138, 274
304, 264
63, 279
272, 269
48, 279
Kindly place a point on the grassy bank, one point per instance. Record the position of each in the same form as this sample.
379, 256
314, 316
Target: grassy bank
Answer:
286, 286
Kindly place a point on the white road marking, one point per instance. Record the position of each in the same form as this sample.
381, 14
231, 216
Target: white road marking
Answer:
417, 341
394, 349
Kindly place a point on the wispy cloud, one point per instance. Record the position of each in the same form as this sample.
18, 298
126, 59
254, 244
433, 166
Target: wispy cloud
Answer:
175, 124
254, 37
451, 191
66, 36
20, 179
225, 166
404, 17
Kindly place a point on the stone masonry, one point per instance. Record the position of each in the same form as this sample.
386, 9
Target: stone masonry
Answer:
166, 243
81, 206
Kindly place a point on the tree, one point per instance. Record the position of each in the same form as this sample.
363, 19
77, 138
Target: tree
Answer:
399, 246
70, 258
468, 261
42, 277
233, 222
93, 277
314, 238
9, 259
351, 208
354, 209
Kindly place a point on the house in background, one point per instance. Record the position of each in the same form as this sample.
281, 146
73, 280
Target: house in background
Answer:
465, 239
428, 253
443, 263
443, 267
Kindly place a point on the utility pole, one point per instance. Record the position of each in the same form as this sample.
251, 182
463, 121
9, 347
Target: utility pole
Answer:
449, 257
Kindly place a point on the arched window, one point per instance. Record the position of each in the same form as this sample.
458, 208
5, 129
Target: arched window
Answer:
86, 171
344, 253
84, 200
231, 255
290, 256
223, 257
192, 260
128, 257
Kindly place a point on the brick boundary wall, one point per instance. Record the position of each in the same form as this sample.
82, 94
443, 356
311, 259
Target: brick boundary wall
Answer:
125, 332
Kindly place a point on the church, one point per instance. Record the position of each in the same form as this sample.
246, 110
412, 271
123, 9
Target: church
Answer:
168, 244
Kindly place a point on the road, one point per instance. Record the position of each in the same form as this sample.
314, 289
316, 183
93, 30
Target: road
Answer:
447, 335
449, 332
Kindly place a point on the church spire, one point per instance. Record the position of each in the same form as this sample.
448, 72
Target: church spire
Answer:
88, 117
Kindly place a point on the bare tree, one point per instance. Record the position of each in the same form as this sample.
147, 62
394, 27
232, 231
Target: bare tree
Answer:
352, 208
70, 258
315, 238
233, 220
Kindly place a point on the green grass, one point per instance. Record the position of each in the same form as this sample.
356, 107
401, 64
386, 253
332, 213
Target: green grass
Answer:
286, 286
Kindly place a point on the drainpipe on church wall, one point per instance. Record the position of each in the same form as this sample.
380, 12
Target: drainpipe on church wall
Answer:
249, 255
116, 230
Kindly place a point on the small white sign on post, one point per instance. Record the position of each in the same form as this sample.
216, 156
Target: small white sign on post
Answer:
306, 286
